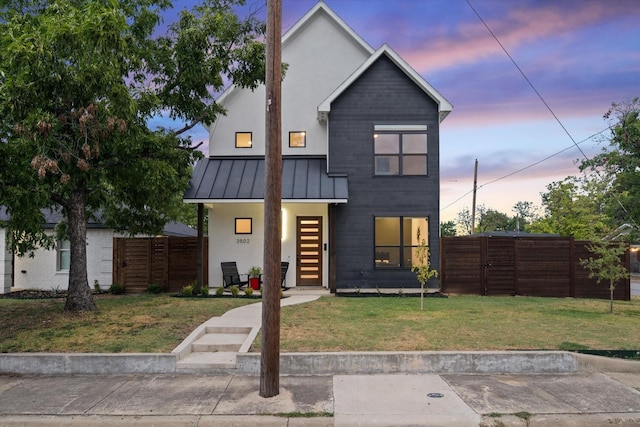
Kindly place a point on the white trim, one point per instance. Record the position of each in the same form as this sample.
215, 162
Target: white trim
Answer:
320, 7
383, 128
284, 201
444, 106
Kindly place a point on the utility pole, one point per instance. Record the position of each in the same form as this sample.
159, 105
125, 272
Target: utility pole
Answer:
270, 353
473, 204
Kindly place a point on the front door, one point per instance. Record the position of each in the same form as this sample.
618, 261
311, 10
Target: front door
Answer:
309, 251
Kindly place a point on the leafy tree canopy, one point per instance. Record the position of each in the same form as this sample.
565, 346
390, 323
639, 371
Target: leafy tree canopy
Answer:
620, 163
79, 81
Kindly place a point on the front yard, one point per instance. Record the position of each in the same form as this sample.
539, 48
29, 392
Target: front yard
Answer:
158, 323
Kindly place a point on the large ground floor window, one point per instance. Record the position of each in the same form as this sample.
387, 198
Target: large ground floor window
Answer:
396, 240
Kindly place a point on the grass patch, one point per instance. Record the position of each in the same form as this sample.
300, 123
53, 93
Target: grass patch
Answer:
143, 323
457, 323
158, 323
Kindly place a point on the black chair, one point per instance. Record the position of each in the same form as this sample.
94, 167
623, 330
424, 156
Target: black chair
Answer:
283, 274
230, 275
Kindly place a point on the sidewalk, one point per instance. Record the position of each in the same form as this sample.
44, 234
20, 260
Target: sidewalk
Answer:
597, 392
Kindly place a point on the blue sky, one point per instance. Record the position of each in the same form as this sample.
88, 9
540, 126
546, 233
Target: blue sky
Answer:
580, 55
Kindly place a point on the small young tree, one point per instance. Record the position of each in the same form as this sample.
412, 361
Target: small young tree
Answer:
606, 265
422, 268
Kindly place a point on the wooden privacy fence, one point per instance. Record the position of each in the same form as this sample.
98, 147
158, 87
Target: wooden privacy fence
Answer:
167, 261
521, 265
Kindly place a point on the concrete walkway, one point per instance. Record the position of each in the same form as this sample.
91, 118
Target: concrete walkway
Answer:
319, 389
215, 344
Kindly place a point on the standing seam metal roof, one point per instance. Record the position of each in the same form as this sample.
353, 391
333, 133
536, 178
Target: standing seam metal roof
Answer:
243, 179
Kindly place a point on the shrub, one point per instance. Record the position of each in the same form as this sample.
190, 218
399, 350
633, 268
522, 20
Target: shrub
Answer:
154, 288
248, 291
204, 291
219, 291
116, 289
96, 285
234, 290
187, 290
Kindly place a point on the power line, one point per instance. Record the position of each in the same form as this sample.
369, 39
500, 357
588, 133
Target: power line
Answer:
527, 79
525, 168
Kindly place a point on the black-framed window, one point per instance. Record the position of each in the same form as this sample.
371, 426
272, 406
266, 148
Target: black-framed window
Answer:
400, 150
297, 139
396, 239
244, 140
244, 225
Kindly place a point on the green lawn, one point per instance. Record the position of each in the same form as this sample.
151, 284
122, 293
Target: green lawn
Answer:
459, 323
139, 323
158, 323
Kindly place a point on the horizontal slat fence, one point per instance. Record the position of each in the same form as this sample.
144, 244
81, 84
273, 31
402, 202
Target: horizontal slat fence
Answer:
168, 261
521, 265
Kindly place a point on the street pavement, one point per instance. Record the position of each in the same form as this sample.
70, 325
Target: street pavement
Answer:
582, 399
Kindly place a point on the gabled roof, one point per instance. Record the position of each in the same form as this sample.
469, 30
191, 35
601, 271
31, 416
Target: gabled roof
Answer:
322, 8
298, 27
444, 106
241, 180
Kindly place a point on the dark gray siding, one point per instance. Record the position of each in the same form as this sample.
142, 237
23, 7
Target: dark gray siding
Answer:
382, 95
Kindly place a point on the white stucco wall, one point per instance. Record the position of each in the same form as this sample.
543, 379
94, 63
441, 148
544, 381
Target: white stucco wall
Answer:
5, 264
40, 271
320, 57
247, 249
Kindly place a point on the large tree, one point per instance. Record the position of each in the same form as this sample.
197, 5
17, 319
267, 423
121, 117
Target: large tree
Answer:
620, 162
79, 82
573, 207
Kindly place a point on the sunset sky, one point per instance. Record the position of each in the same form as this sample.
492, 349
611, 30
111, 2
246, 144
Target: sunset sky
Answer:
579, 55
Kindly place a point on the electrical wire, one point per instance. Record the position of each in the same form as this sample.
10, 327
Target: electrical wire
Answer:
524, 168
575, 144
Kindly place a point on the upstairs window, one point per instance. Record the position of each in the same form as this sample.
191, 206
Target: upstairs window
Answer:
244, 140
297, 139
400, 150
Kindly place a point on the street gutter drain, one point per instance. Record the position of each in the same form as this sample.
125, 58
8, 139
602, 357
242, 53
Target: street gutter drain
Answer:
435, 395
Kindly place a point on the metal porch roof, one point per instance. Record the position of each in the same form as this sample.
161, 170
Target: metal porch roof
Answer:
238, 179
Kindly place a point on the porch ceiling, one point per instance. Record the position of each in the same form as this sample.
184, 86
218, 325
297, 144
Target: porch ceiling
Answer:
242, 180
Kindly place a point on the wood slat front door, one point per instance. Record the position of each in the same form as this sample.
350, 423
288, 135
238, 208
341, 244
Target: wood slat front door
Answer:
309, 251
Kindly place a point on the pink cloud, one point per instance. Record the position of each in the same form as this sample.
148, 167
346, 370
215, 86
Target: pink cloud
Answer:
471, 41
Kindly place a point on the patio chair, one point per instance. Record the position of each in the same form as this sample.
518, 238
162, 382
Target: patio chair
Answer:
230, 275
283, 274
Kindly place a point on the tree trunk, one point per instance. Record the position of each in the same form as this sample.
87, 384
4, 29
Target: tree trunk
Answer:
270, 353
611, 288
79, 297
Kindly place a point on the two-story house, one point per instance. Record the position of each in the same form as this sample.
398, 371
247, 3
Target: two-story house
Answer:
360, 173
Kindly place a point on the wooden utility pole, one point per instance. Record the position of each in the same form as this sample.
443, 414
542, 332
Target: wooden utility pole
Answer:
473, 204
270, 352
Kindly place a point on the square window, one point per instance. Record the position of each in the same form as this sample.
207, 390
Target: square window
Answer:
244, 140
297, 139
414, 165
387, 165
396, 240
244, 225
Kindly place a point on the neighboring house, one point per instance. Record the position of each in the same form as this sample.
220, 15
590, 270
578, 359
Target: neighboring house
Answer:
49, 269
360, 173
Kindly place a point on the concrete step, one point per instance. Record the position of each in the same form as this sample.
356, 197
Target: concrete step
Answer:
208, 360
218, 329
219, 342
